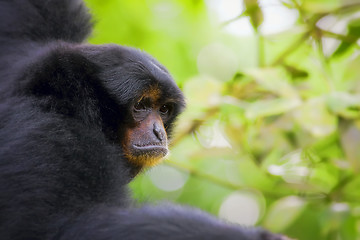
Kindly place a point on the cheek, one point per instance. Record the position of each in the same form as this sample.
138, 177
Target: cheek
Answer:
125, 142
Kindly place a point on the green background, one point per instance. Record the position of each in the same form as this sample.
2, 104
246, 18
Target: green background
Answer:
271, 135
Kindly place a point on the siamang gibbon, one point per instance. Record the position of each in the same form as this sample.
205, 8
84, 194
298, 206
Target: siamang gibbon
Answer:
77, 123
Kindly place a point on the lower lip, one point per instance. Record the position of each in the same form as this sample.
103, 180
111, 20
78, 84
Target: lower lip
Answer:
150, 147
155, 150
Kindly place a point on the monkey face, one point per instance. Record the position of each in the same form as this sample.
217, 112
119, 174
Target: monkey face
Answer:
146, 143
148, 99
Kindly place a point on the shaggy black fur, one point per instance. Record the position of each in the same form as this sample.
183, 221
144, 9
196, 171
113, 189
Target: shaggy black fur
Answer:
64, 106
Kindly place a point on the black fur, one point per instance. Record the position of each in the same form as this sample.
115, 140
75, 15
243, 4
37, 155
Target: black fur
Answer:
64, 106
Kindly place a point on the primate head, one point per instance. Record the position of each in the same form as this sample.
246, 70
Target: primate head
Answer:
146, 93
125, 91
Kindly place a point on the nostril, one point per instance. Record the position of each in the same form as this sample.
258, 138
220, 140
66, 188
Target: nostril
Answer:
158, 131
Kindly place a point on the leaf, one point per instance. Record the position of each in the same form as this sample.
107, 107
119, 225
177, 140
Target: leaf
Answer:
263, 108
344, 104
352, 36
314, 117
310, 156
295, 72
321, 6
351, 190
350, 139
274, 80
334, 218
324, 177
289, 5
292, 167
283, 213
253, 10
328, 147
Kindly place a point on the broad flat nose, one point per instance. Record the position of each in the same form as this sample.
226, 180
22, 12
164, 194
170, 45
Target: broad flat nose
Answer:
159, 131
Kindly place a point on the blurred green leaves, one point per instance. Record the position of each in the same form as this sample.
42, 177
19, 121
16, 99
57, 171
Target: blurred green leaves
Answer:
284, 212
352, 36
320, 6
273, 120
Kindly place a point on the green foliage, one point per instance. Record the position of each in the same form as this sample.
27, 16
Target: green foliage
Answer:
273, 120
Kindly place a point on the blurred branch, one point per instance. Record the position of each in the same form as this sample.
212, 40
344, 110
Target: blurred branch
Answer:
224, 24
336, 193
352, 7
293, 47
312, 25
328, 82
344, 38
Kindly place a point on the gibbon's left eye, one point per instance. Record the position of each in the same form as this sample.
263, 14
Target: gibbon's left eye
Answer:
166, 109
139, 106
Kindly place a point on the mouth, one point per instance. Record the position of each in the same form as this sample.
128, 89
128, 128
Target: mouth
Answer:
151, 150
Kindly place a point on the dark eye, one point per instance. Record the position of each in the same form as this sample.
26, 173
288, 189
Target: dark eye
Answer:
140, 106
165, 109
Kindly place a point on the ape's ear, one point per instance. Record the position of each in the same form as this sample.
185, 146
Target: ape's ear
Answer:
66, 82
